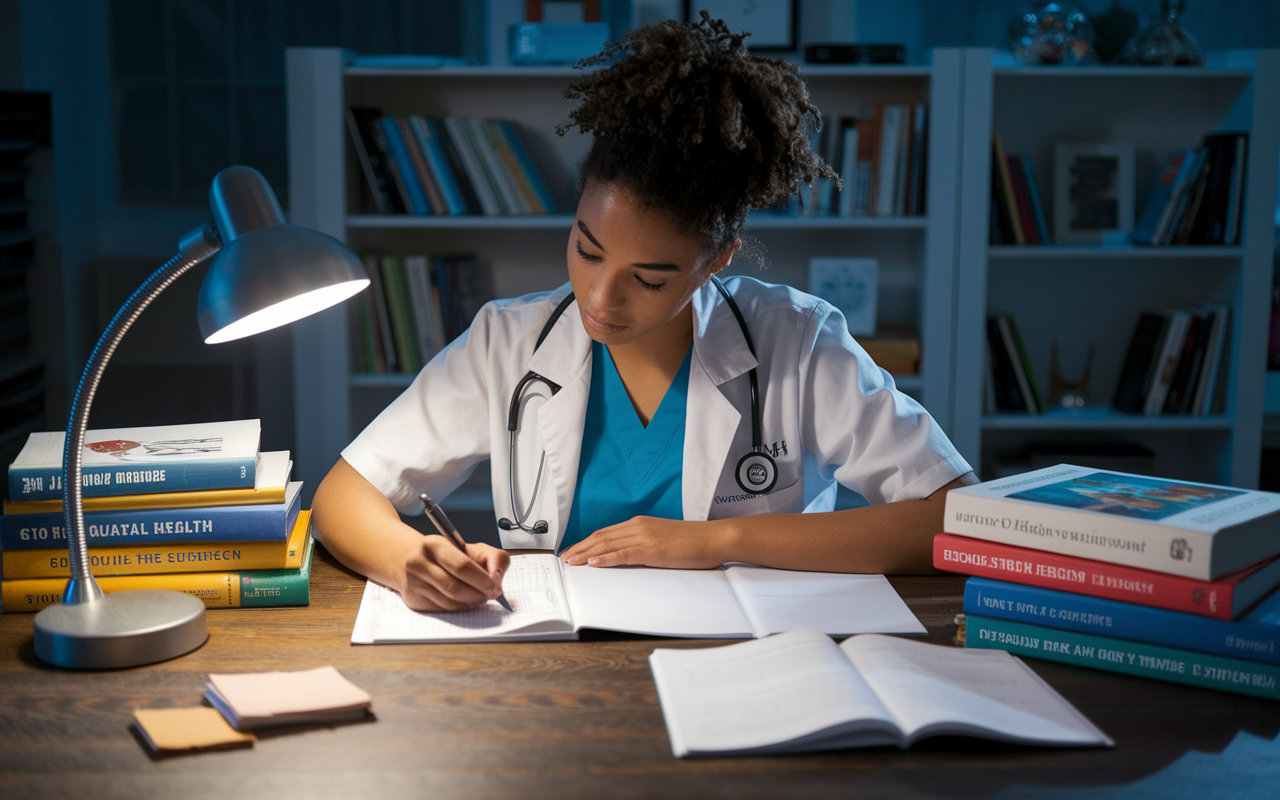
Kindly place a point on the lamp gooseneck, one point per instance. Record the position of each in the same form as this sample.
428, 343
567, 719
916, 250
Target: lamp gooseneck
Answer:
195, 247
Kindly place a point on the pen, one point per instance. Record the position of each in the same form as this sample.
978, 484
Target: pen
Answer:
438, 518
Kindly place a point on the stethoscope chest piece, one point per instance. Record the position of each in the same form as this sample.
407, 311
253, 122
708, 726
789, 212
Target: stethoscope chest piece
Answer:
757, 472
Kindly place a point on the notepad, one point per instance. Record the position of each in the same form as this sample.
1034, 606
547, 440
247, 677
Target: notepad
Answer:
799, 691
253, 701
552, 601
177, 730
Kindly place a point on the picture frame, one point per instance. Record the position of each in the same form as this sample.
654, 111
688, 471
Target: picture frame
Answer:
774, 25
852, 286
1093, 193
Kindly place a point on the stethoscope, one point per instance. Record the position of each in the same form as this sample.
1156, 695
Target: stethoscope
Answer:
756, 472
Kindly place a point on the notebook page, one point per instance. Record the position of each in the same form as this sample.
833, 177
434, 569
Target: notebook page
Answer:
532, 585
927, 685
838, 604
661, 602
762, 693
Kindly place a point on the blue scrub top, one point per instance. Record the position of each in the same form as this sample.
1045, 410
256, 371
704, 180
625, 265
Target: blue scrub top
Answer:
627, 469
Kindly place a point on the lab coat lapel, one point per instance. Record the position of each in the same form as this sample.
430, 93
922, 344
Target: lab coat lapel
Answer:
720, 354
564, 358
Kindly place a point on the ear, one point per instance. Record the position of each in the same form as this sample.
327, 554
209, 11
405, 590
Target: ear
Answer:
724, 257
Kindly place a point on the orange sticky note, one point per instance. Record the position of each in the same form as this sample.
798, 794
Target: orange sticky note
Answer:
170, 730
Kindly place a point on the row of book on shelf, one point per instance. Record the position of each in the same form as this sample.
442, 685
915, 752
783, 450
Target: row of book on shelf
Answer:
417, 305
1158, 578
190, 508
1197, 197
880, 156
446, 166
1176, 364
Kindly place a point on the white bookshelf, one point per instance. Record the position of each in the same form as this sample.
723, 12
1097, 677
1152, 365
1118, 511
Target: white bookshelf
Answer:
1078, 294
332, 403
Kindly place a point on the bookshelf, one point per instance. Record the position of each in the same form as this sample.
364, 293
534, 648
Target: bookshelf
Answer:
1078, 293
332, 403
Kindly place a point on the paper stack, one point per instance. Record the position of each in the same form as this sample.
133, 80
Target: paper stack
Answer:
253, 701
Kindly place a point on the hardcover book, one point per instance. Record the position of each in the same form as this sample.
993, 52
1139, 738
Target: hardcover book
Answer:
1253, 638
1118, 655
1196, 530
169, 458
1226, 598
799, 691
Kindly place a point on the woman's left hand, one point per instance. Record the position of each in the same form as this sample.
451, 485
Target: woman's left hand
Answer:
652, 542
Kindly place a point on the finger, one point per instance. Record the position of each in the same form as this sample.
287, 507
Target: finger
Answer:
493, 560
449, 585
615, 558
464, 568
423, 597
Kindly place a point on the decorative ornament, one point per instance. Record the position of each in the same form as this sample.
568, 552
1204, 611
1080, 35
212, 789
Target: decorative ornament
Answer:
1051, 33
1164, 43
1112, 30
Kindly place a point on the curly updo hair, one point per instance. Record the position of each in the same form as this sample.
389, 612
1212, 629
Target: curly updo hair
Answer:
690, 122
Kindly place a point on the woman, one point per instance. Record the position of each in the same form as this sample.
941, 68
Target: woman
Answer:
635, 438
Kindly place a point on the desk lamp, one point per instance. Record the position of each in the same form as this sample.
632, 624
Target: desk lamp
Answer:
267, 274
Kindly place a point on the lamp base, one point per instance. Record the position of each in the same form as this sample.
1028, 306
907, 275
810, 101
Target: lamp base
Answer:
122, 629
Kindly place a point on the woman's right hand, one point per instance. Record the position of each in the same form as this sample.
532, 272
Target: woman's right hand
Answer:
439, 577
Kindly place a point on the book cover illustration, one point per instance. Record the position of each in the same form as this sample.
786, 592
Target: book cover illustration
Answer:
1126, 495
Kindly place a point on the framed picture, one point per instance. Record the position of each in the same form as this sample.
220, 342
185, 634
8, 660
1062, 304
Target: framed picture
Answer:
851, 285
1092, 193
773, 24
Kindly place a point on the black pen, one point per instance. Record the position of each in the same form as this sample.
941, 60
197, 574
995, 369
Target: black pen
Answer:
438, 518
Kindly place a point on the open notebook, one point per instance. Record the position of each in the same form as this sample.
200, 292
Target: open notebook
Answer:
552, 601
800, 691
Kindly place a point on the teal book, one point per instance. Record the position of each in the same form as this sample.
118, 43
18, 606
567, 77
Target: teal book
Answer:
1119, 655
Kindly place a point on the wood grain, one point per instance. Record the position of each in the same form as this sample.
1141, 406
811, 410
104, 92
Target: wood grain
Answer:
556, 719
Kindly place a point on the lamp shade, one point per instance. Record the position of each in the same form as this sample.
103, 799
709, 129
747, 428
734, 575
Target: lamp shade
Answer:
269, 273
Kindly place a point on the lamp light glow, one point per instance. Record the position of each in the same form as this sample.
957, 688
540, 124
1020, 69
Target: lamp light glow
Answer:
286, 311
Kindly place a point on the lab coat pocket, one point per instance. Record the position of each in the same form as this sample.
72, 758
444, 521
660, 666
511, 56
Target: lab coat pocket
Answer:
789, 500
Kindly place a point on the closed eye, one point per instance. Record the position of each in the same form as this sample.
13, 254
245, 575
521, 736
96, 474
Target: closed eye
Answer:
653, 287
584, 255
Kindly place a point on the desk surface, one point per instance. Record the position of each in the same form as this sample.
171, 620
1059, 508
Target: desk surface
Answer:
569, 719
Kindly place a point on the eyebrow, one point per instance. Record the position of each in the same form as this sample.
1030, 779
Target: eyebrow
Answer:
656, 267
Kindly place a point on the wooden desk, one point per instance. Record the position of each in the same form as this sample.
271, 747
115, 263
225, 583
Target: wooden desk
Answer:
565, 719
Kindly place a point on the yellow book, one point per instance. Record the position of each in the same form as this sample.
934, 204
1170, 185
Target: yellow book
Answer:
190, 557
244, 589
274, 468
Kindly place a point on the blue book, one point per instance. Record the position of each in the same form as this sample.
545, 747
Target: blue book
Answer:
1037, 210
439, 166
168, 458
535, 180
1170, 182
1254, 637
158, 526
400, 152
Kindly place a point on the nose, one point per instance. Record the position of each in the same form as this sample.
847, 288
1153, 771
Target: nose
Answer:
607, 294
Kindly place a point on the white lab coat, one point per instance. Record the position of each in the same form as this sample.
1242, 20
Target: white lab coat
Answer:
828, 413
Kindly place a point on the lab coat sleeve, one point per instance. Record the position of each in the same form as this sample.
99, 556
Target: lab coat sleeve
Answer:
859, 429
431, 437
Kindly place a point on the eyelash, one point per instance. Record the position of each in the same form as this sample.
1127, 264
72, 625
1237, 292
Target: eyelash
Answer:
589, 257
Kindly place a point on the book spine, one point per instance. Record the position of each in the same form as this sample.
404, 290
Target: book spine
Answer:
1101, 617
1025, 359
367, 343
1213, 357
438, 165
378, 127
1235, 210
1118, 655
400, 157
526, 164
902, 166
1006, 189
1137, 362
1186, 360
424, 312
107, 480
848, 165
471, 163
1007, 396
509, 199
1015, 360
529, 199
1033, 190
371, 165
1117, 540
1167, 363
153, 526
886, 180
457, 168
863, 167
435, 200
377, 291
1020, 195
1094, 578
1195, 195
148, 560
397, 293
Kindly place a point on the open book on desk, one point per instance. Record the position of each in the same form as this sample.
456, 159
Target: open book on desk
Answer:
552, 601
799, 691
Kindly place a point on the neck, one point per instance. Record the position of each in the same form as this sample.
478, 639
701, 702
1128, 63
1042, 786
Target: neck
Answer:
662, 348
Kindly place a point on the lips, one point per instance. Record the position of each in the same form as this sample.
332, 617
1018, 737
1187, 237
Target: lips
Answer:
603, 327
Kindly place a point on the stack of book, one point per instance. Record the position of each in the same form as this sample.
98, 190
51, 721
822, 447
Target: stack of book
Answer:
1198, 195
1017, 215
191, 508
446, 166
880, 156
1010, 382
1121, 572
1176, 363
417, 305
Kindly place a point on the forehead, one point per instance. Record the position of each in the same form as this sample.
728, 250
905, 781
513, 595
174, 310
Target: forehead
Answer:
618, 221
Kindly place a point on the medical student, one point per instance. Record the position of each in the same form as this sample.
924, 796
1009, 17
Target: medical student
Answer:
636, 438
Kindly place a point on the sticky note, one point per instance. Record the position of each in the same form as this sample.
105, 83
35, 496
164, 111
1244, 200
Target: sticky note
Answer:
170, 730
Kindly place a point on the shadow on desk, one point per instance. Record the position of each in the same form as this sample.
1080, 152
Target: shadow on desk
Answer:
573, 719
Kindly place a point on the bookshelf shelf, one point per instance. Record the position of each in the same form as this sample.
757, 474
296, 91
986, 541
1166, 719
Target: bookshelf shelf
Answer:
1108, 421
332, 402
1082, 252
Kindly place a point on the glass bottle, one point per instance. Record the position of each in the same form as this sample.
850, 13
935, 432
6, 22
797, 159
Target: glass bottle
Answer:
1164, 42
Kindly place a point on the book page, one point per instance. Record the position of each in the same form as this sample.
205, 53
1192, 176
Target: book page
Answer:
777, 600
661, 602
934, 689
772, 693
532, 585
